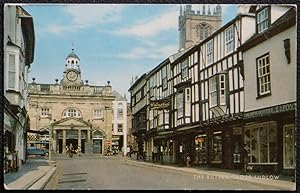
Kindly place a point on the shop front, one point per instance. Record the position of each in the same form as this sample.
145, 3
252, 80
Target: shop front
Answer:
271, 139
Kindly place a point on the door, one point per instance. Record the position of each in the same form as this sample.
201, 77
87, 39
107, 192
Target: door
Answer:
97, 146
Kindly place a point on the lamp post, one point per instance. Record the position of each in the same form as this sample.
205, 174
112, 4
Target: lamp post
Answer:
50, 139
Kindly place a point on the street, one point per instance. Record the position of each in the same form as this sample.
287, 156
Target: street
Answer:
114, 173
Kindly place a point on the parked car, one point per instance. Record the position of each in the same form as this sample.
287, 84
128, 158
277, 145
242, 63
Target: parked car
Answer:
36, 151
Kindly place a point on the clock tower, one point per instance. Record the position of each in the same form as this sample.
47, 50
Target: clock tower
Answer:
72, 73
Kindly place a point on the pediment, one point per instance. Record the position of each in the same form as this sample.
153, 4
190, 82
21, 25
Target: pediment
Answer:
70, 121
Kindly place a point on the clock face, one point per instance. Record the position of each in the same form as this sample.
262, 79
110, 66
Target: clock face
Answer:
72, 76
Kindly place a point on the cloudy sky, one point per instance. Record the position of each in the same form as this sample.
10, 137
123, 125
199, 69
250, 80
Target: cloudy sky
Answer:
114, 41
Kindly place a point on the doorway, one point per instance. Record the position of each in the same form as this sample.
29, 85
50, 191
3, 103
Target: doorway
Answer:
97, 146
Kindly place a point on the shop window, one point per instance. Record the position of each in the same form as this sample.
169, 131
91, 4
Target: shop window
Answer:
289, 146
200, 149
216, 147
263, 75
261, 140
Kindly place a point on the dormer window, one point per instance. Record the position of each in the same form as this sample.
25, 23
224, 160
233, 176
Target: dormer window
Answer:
263, 20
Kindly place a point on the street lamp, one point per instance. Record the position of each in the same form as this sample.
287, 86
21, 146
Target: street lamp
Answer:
50, 140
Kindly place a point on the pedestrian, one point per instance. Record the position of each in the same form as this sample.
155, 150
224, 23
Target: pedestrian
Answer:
128, 151
188, 160
245, 159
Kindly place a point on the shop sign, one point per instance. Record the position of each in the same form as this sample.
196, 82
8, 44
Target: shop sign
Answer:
271, 110
159, 105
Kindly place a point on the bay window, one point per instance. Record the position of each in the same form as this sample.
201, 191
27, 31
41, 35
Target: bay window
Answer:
11, 71
179, 105
217, 90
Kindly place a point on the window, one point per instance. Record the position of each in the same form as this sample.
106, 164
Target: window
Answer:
209, 52
72, 112
120, 127
261, 139
164, 77
184, 68
289, 146
222, 90
195, 57
98, 113
216, 147
138, 96
179, 105
262, 20
160, 118
213, 91
11, 71
204, 31
229, 40
188, 95
263, 73
151, 85
45, 111
120, 113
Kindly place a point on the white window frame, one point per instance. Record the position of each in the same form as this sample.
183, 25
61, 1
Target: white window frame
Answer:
264, 75
262, 20
45, 111
12, 71
210, 52
120, 114
179, 105
98, 113
164, 78
229, 37
185, 68
222, 81
213, 91
72, 112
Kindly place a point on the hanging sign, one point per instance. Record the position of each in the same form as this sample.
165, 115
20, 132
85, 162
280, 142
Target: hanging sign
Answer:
160, 104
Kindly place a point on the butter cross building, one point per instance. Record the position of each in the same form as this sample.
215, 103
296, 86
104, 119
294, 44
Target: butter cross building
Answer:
72, 111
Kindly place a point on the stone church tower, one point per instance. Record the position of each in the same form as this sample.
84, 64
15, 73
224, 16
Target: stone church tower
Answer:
194, 27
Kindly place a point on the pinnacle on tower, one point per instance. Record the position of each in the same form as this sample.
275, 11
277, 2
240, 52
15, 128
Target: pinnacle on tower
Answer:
203, 10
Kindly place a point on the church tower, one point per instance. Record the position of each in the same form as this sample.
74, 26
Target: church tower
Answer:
195, 26
72, 73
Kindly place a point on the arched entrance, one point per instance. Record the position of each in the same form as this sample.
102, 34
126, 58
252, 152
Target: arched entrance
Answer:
97, 136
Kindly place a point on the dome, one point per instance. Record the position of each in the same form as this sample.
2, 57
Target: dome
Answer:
73, 55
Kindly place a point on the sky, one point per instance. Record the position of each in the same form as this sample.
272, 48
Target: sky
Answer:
114, 42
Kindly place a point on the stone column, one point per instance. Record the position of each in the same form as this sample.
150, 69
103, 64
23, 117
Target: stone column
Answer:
79, 137
54, 138
89, 136
64, 141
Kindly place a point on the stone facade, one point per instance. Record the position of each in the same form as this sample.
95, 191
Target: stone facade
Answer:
72, 111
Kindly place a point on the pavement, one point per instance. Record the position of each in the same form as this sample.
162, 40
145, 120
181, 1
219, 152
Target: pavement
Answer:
283, 182
34, 174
